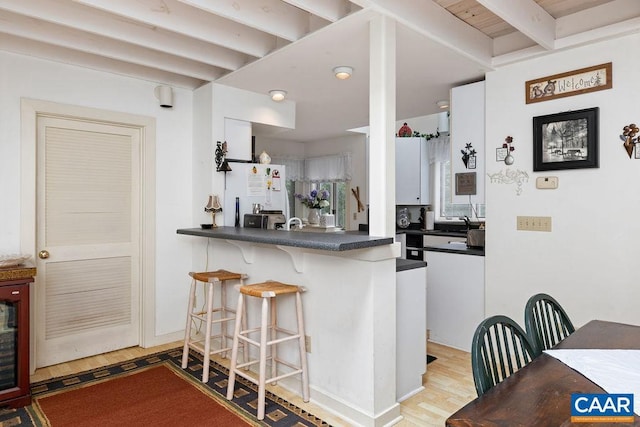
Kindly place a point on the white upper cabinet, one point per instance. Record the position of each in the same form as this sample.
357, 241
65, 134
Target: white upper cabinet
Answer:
412, 171
467, 127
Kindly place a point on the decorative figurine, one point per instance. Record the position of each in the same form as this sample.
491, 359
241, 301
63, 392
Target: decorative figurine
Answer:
405, 131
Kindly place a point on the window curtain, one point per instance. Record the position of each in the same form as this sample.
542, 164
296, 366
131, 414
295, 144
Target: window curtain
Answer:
328, 168
439, 149
294, 167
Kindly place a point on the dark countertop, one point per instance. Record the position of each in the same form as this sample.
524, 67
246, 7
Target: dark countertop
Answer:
408, 264
330, 241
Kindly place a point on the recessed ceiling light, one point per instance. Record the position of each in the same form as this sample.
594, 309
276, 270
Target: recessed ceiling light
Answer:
443, 105
277, 95
343, 72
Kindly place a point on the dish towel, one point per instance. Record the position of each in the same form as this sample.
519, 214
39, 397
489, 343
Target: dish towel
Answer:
615, 371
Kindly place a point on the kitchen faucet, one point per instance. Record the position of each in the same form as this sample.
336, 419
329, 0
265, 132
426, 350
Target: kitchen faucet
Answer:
291, 220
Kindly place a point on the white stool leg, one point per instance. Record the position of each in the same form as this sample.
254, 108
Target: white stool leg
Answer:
234, 347
207, 338
263, 357
274, 335
223, 313
187, 329
303, 350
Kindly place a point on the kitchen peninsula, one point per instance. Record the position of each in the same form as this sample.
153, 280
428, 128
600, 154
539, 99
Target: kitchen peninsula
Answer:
349, 308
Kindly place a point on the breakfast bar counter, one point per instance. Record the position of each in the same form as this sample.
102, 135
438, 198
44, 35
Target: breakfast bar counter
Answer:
349, 308
328, 241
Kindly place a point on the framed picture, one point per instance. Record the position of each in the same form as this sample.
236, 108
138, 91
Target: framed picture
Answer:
571, 83
566, 140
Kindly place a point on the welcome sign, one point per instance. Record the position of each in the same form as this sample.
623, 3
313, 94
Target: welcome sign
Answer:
602, 408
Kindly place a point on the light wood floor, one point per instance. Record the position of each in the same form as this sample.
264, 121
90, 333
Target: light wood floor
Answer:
448, 384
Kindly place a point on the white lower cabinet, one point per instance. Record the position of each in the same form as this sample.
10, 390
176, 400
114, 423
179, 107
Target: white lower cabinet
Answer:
411, 331
455, 297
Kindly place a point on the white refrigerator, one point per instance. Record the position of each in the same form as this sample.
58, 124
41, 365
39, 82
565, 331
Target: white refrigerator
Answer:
254, 183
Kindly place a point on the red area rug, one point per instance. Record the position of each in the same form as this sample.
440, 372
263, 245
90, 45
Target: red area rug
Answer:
159, 395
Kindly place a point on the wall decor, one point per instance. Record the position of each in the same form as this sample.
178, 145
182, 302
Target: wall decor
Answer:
571, 83
469, 156
510, 177
508, 158
465, 184
567, 140
630, 139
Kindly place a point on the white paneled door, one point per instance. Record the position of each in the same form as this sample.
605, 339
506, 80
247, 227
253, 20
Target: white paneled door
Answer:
88, 219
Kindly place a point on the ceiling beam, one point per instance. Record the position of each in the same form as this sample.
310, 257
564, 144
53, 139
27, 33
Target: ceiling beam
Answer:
331, 10
527, 17
182, 19
66, 56
435, 22
46, 32
270, 16
94, 21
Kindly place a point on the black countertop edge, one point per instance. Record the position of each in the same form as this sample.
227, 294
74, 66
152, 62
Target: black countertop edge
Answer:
408, 264
461, 249
329, 241
433, 232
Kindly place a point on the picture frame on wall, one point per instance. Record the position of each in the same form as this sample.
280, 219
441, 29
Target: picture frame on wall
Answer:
567, 140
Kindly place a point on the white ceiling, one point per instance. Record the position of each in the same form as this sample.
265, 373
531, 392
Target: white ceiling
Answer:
259, 45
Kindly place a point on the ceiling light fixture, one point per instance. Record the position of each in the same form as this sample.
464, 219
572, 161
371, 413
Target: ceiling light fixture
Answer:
343, 72
278, 95
443, 105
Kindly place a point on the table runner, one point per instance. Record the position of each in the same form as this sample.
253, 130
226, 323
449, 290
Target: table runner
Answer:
615, 371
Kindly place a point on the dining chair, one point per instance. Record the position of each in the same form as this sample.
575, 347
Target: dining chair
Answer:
500, 347
546, 322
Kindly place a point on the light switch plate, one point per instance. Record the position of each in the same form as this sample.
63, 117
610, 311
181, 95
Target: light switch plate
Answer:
547, 182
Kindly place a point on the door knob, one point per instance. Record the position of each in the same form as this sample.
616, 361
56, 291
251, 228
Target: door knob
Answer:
43, 254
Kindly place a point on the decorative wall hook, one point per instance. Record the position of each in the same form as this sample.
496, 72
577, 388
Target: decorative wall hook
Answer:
629, 137
510, 177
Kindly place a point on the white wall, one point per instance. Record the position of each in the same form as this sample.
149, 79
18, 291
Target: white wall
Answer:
26, 77
588, 261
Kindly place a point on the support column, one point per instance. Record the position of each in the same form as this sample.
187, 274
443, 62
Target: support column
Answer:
382, 117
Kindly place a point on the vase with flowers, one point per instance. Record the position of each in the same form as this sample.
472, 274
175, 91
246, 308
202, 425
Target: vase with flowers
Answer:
315, 200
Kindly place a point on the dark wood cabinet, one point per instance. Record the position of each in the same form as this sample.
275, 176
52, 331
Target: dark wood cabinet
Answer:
14, 342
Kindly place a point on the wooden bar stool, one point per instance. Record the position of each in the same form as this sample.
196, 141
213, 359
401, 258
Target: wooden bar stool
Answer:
268, 291
206, 317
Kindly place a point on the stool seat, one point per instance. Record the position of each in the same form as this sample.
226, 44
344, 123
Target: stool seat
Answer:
205, 316
218, 275
268, 291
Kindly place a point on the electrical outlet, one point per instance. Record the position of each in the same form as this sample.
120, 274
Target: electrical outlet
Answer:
307, 343
534, 223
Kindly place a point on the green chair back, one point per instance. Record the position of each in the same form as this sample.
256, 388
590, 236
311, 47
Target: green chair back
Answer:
546, 322
500, 347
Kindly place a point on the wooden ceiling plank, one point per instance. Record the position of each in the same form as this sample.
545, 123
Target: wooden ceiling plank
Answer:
67, 56
270, 16
330, 10
433, 21
182, 19
527, 17
102, 23
55, 34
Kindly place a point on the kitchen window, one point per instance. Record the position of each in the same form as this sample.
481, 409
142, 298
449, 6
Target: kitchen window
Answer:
337, 201
445, 209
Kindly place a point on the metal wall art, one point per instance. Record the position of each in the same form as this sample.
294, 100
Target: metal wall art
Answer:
571, 83
469, 156
503, 154
511, 177
566, 140
630, 139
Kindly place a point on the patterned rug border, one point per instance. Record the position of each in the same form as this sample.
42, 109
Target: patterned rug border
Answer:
244, 402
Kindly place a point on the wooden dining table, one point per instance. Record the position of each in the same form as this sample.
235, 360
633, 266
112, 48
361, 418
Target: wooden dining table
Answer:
540, 393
